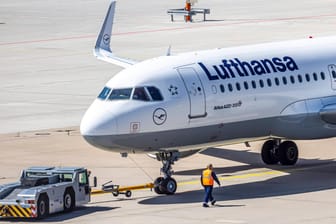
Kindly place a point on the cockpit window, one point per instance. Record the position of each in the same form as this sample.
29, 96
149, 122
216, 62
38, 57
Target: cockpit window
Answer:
104, 93
155, 93
147, 93
140, 94
120, 94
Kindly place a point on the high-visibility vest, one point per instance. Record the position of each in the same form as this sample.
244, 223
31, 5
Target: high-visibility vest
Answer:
207, 178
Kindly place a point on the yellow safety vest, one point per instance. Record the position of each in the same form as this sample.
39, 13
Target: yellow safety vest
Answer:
207, 178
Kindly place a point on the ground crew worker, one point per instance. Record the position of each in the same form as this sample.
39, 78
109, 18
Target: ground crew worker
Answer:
207, 179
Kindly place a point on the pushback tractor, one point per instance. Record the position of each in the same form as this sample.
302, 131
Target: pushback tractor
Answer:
45, 190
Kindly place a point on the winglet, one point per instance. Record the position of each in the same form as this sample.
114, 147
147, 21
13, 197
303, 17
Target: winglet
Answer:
102, 49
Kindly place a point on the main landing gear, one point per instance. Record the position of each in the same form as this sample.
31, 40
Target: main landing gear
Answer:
274, 151
166, 184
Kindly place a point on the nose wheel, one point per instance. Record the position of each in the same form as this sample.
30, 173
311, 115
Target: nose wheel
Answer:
166, 184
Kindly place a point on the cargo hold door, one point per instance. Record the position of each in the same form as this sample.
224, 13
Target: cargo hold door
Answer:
195, 90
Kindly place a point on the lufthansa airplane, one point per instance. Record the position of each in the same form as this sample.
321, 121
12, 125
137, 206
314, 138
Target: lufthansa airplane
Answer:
175, 105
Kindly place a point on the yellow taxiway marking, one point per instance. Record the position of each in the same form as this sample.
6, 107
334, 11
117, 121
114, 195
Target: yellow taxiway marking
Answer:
241, 176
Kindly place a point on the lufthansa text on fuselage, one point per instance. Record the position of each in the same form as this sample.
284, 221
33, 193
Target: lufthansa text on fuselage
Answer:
230, 68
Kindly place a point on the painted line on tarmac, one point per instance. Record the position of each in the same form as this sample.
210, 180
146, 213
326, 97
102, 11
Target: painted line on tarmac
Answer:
227, 23
261, 174
194, 182
228, 221
233, 177
237, 177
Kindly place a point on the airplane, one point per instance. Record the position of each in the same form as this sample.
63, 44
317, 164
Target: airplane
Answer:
173, 106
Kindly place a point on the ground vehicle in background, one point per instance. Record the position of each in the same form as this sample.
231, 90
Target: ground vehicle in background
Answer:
45, 190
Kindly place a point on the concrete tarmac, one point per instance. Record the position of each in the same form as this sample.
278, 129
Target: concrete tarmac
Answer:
251, 192
49, 77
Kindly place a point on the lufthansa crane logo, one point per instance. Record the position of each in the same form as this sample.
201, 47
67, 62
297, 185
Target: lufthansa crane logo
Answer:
159, 116
106, 39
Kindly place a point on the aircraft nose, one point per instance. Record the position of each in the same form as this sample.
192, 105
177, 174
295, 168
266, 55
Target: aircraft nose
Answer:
98, 122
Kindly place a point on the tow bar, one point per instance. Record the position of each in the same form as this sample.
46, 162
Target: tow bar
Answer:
109, 187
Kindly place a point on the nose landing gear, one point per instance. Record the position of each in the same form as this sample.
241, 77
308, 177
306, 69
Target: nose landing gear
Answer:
166, 184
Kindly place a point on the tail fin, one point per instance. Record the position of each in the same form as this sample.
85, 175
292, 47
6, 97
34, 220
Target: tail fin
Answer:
102, 49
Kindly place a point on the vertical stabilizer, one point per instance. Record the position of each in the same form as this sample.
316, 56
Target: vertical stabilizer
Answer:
104, 38
102, 49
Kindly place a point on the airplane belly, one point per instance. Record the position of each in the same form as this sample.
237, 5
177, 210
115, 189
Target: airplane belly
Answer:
187, 138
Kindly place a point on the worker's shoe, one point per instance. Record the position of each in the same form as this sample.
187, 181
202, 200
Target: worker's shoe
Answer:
213, 202
205, 205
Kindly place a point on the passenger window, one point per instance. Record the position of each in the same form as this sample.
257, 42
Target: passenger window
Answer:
155, 93
284, 80
140, 94
254, 84
246, 85
315, 76
121, 94
104, 93
277, 81
261, 82
269, 82
292, 79
307, 77
238, 86
322, 76
222, 88
230, 87
300, 78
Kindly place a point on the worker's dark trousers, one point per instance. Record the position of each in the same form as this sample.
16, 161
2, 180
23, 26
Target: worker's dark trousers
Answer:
208, 194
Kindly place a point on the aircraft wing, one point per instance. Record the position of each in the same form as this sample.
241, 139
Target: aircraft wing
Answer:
102, 49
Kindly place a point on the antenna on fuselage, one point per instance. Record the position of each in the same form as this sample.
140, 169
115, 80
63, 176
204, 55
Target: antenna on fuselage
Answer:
169, 51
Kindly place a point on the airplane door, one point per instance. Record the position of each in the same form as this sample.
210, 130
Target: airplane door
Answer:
332, 72
195, 91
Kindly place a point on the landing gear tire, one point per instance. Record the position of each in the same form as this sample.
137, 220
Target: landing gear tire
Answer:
288, 153
157, 185
269, 153
168, 186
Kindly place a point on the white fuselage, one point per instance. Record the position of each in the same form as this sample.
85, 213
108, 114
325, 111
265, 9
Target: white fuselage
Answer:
219, 96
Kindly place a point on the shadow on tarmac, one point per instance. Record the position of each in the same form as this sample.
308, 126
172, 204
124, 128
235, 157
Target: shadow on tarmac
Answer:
59, 217
309, 175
